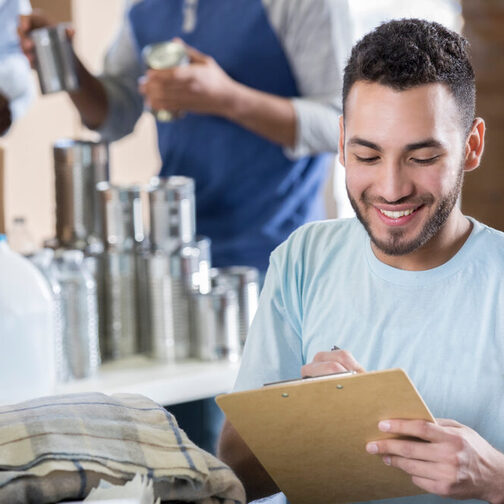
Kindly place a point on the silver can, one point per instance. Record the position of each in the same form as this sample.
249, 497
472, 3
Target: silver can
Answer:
118, 305
171, 279
79, 302
55, 59
161, 324
216, 334
78, 167
244, 280
172, 211
120, 209
161, 56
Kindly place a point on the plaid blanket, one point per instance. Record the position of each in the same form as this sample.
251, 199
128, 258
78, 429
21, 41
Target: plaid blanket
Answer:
56, 448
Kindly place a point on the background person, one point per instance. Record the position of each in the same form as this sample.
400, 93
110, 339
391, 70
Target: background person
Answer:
260, 105
16, 83
411, 282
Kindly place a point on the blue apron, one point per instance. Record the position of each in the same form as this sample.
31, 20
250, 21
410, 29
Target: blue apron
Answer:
249, 195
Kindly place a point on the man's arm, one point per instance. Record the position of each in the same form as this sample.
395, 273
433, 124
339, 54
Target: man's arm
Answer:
90, 99
235, 453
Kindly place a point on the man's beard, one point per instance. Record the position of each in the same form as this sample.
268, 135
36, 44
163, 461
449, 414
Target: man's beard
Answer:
393, 245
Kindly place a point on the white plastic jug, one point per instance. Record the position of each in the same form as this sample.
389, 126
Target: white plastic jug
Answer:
27, 346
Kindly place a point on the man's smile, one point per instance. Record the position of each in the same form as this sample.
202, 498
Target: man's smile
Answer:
397, 217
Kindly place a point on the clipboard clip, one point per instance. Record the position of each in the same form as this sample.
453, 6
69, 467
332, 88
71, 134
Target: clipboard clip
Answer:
310, 378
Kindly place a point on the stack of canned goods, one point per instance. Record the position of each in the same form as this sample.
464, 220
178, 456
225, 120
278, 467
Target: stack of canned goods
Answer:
154, 293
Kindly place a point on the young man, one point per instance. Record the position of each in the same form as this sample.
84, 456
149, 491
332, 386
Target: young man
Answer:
411, 283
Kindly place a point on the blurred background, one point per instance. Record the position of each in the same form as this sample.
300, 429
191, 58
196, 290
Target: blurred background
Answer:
26, 163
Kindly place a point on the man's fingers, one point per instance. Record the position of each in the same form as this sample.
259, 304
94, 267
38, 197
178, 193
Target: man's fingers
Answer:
432, 486
322, 368
421, 429
344, 357
169, 76
404, 448
448, 422
417, 468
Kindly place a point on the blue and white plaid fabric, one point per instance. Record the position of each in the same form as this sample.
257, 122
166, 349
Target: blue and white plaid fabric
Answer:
56, 448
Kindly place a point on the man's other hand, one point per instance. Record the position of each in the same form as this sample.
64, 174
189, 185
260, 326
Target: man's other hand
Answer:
5, 115
335, 361
451, 460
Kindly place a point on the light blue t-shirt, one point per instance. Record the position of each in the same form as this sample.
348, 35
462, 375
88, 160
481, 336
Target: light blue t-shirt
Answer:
444, 326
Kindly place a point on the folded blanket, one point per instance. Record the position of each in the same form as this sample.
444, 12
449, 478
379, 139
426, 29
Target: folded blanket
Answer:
56, 448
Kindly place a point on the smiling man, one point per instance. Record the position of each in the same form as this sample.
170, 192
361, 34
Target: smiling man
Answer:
410, 283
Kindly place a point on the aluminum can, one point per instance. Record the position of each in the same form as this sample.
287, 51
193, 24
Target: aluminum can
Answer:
160, 56
78, 167
79, 300
244, 280
119, 339
120, 210
172, 210
160, 295
55, 59
217, 334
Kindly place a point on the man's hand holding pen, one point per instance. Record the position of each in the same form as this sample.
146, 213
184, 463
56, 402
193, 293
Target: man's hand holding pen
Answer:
334, 361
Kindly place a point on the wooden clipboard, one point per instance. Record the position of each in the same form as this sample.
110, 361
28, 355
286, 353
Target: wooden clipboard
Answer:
310, 435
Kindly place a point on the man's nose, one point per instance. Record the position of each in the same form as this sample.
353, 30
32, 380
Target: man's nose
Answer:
394, 181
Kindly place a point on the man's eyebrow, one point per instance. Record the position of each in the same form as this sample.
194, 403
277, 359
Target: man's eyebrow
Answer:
364, 143
423, 144
430, 142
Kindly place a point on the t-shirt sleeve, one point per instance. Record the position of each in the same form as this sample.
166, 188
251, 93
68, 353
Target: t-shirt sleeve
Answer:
273, 349
317, 37
121, 70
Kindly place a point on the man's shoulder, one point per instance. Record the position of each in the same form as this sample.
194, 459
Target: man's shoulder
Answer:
490, 240
320, 238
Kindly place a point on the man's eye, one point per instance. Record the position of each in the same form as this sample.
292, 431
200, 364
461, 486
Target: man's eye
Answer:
425, 161
366, 159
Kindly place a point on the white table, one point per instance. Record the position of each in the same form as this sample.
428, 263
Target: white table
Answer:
164, 383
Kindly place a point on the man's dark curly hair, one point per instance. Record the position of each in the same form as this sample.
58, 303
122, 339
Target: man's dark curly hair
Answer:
410, 52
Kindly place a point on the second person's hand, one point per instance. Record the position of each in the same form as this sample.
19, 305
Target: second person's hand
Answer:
28, 23
202, 87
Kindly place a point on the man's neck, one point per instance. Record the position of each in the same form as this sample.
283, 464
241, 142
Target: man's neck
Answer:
437, 251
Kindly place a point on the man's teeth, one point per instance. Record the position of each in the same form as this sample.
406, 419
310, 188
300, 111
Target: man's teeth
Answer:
396, 215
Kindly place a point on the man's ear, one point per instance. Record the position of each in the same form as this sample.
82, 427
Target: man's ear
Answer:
341, 143
475, 144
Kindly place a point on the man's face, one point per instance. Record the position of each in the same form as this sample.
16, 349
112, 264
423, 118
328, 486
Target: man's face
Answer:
404, 155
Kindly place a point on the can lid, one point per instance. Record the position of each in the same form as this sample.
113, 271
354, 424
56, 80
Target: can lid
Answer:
164, 55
